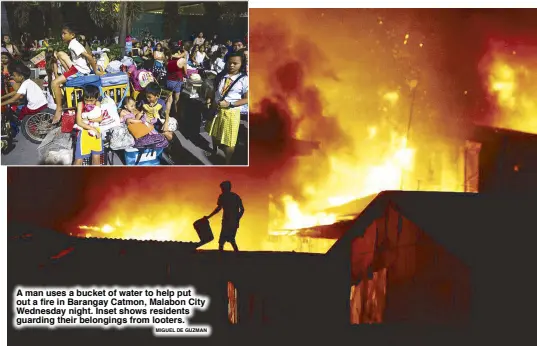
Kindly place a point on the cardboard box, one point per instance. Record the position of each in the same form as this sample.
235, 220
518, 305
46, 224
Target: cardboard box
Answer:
38, 58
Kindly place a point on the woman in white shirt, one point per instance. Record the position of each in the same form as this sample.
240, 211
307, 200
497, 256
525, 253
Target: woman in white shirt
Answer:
214, 48
199, 40
11, 48
158, 55
159, 71
201, 56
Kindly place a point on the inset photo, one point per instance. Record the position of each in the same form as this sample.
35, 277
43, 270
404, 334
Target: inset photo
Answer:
124, 83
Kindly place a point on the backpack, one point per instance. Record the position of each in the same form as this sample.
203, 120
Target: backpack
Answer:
141, 78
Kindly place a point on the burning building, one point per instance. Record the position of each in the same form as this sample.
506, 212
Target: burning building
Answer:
408, 257
323, 228
401, 117
488, 160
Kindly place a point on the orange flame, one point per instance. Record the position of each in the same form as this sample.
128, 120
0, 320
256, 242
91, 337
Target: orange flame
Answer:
509, 75
378, 122
377, 154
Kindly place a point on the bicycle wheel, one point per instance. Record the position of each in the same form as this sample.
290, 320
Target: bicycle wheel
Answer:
35, 127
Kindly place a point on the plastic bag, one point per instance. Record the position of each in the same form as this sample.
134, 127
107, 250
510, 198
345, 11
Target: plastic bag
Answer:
61, 157
121, 138
54, 141
114, 67
172, 124
109, 113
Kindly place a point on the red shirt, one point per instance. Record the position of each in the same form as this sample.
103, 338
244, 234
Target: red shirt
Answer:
175, 73
6, 83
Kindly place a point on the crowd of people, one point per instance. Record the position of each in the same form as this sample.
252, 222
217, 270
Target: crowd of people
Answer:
171, 63
27, 44
199, 52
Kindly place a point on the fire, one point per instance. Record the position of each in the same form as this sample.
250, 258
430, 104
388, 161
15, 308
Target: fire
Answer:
387, 175
297, 220
363, 114
105, 229
510, 79
375, 111
392, 97
158, 228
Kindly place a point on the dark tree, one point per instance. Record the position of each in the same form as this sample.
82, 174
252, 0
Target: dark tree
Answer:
170, 17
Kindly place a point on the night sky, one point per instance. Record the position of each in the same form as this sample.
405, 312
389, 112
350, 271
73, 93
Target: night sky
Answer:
46, 195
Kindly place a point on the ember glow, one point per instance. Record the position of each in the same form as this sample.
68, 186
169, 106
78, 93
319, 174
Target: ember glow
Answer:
120, 221
105, 229
360, 114
510, 72
369, 88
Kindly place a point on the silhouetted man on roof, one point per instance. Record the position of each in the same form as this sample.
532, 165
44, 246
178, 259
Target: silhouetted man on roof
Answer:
233, 211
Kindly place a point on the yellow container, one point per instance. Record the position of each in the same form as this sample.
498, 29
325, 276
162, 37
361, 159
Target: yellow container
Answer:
116, 92
135, 94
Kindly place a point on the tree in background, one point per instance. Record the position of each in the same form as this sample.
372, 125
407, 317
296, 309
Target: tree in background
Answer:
170, 17
102, 13
112, 13
230, 11
108, 15
123, 26
118, 14
51, 13
220, 14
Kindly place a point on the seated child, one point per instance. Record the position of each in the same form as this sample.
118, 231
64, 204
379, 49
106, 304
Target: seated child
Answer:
89, 141
156, 111
131, 115
90, 115
128, 113
77, 66
37, 101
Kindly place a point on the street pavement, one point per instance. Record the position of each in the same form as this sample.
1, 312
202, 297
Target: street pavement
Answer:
187, 153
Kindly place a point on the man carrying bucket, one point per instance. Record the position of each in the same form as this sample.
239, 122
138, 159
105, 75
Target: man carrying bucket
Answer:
233, 211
